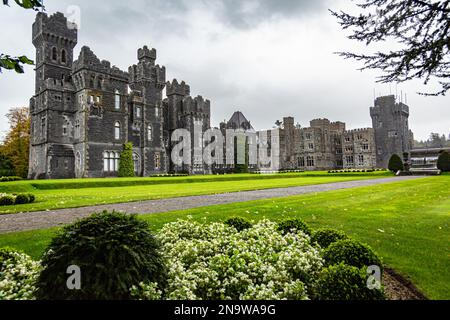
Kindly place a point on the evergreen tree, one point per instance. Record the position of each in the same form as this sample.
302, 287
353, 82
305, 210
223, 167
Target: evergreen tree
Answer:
395, 163
443, 162
126, 165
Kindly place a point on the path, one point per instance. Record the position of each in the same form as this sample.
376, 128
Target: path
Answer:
47, 219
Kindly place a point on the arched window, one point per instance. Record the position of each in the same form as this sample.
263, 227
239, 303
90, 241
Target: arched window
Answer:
106, 161
117, 130
136, 162
117, 100
150, 133
63, 56
54, 54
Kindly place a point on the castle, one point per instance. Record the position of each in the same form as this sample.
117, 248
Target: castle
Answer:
84, 110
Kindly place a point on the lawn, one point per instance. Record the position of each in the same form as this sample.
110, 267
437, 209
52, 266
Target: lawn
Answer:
407, 223
58, 194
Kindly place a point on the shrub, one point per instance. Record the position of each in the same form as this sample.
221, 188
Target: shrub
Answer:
114, 252
126, 164
10, 178
343, 282
443, 162
215, 262
395, 163
351, 252
32, 197
293, 224
238, 223
324, 237
22, 199
7, 200
18, 273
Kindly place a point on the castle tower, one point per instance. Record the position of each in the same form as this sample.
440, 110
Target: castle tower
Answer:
53, 105
390, 124
147, 81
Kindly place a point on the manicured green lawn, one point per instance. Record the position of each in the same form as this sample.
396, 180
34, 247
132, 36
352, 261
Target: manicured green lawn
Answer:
58, 194
407, 223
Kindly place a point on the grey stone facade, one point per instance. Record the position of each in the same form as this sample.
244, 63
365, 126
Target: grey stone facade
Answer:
83, 111
390, 124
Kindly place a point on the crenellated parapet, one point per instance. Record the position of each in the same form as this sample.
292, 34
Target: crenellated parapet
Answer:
146, 71
54, 28
175, 88
89, 61
197, 105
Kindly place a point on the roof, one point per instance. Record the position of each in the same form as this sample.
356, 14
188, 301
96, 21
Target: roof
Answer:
238, 120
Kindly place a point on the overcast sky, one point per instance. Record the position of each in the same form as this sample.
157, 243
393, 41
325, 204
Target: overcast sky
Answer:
266, 58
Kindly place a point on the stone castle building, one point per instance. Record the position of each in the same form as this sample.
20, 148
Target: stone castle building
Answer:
84, 110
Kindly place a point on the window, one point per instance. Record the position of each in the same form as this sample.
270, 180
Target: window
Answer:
136, 162
117, 100
138, 112
91, 99
349, 149
310, 161
117, 130
392, 134
64, 130
301, 162
339, 151
359, 137
63, 56
349, 160
97, 99
54, 54
157, 161
365, 147
156, 112
347, 139
149, 133
361, 160
111, 161
311, 146
308, 136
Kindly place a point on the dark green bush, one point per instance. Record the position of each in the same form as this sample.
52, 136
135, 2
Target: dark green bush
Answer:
239, 223
351, 252
7, 200
10, 178
324, 237
6, 253
343, 282
22, 199
443, 162
32, 197
114, 251
287, 226
395, 163
126, 164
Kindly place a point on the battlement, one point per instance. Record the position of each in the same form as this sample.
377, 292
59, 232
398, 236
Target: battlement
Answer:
196, 105
358, 130
320, 122
146, 54
88, 60
56, 27
176, 88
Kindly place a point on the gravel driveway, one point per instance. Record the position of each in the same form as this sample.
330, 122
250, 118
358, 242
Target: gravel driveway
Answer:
47, 219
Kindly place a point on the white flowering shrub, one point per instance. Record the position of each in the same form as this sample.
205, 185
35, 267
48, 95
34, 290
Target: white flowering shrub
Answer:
18, 273
215, 261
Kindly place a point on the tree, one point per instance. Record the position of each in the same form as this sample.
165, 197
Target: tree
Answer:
395, 163
420, 27
16, 145
126, 164
443, 162
16, 63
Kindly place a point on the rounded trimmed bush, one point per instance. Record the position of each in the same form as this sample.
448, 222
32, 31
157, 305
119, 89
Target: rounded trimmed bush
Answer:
22, 199
343, 282
114, 252
443, 162
287, 226
326, 236
7, 200
395, 163
239, 223
351, 252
